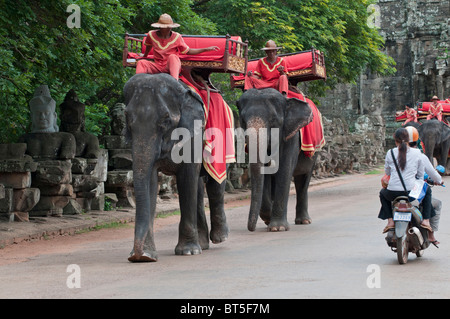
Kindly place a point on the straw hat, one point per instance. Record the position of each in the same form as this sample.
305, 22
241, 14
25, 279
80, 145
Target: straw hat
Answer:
270, 45
435, 98
165, 21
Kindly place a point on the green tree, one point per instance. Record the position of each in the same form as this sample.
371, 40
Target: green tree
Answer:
337, 27
38, 47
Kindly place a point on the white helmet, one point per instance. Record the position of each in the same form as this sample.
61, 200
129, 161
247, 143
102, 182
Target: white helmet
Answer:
413, 134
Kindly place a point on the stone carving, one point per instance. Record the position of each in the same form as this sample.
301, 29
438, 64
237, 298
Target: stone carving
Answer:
52, 150
120, 173
73, 121
17, 197
89, 166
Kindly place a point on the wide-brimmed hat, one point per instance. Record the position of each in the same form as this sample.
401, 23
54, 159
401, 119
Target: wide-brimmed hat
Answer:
165, 21
434, 98
270, 45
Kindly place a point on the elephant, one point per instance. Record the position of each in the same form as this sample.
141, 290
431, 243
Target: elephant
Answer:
157, 105
435, 136
268, 108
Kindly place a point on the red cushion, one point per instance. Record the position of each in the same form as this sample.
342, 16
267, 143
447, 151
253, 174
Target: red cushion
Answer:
198, 43
426, 106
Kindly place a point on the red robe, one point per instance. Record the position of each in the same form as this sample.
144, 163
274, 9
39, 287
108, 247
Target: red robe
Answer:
270, 77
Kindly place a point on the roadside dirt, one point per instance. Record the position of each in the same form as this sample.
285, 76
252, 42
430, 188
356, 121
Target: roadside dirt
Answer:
23, 251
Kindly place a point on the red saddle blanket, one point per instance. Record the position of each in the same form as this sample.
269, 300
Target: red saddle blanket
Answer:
218, 146
311, 136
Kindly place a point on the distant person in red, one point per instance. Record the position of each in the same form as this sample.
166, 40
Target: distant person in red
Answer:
411, 114
271, 71
167, 46
436, 109
447, 100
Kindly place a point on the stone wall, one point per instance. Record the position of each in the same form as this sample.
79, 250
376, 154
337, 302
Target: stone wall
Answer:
417, 34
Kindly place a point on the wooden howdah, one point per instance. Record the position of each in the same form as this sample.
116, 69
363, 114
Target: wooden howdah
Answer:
301, 66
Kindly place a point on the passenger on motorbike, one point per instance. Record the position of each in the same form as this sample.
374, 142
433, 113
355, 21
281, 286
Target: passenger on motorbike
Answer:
434, 176
411, 167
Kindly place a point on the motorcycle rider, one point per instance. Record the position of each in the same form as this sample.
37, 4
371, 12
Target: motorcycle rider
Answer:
411, 167
434, 176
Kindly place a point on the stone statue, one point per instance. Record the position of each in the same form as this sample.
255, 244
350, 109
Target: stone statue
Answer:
42, 109
118, 121
45, 141
73, 121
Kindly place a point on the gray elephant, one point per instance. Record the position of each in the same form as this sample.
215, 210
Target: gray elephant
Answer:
268, 108
435, 136
156, 106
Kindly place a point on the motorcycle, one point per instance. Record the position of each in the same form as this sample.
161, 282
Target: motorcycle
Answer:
407, 236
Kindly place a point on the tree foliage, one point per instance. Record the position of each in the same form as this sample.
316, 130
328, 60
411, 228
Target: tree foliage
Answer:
38, 47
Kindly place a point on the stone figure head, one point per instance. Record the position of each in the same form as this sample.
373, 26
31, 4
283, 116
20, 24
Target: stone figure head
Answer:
43, 114
118, 121
72, 114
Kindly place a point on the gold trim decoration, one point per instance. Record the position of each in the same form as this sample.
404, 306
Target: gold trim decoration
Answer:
202, 64
236, 63
159, 44
300, 72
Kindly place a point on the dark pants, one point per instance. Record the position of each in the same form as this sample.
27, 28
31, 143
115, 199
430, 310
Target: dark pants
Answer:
387, 196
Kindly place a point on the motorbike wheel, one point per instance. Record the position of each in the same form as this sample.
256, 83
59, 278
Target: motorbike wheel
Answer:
402, 249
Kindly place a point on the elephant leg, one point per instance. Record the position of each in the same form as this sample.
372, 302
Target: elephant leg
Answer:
202, 224
278, 220
266, 204
144, 249
187, 183
301, 210
219, 227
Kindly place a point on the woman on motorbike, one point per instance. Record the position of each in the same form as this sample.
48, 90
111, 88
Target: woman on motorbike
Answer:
411, 168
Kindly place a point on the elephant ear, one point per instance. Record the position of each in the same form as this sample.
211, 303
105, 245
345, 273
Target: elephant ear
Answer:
297, 115
192, 108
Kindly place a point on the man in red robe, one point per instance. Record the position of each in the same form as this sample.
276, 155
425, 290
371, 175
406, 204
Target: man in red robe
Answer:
436, 109
411, 114
167, 46
271, 71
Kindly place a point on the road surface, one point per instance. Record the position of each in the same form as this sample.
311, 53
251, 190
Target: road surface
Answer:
342, 254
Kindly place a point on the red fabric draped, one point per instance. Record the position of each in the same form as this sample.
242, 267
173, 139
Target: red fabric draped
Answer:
218, 148
312, 137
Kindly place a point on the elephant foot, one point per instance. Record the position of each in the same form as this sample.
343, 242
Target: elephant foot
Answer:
265, 216
188, 249
204, 242
144, 257
280, 225
303, 221
219, 234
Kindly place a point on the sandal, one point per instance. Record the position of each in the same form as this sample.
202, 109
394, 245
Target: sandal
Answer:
427, 227
388, 228
435, 243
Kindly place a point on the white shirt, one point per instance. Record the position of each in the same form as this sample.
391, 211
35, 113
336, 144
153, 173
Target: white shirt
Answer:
414, 169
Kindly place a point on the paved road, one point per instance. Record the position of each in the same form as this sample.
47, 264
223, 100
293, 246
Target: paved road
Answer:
335, 257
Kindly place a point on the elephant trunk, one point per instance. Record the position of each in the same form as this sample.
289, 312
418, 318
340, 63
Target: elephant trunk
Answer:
257, 137
257, 181
145, 180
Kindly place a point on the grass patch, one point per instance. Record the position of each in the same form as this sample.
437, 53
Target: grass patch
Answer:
105, 226
165, 215
377, 171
